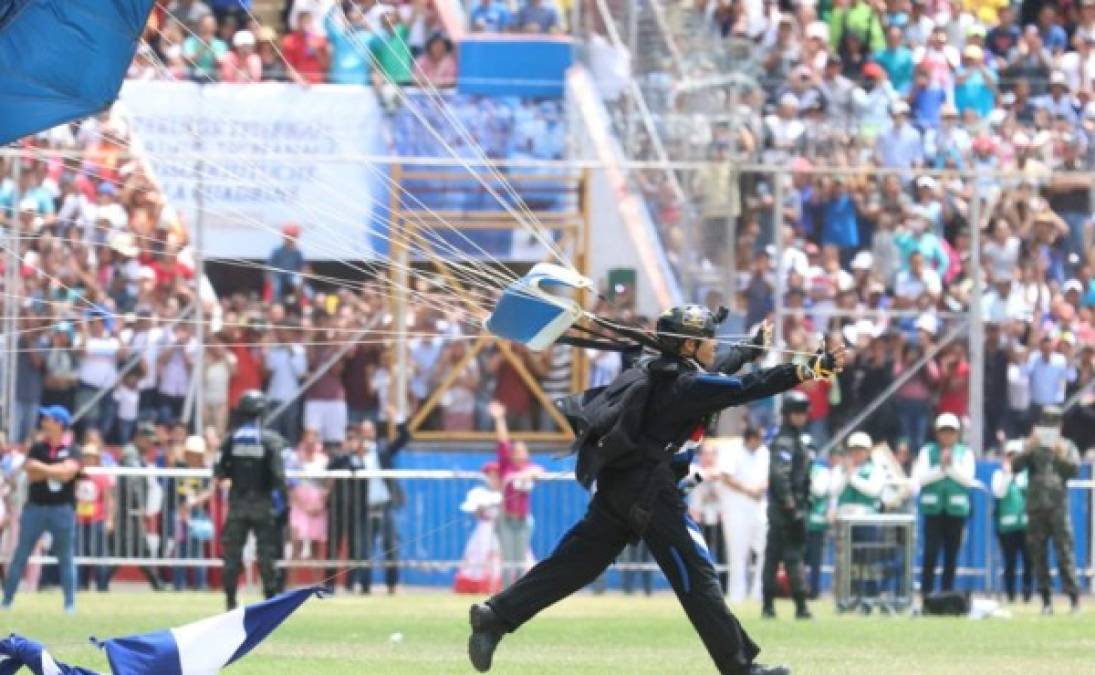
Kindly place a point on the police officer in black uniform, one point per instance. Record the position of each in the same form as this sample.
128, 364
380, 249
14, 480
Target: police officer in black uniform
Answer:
251, 459
628, 433
788, 505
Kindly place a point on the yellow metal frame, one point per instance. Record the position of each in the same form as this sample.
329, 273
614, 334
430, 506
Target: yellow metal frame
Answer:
574, 229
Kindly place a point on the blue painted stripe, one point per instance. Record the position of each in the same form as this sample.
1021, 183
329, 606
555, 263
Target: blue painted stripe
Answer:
697, 538
719, 380
686, 583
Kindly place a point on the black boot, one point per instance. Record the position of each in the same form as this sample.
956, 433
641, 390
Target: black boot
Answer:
1074, 603
1047, 603
769, 609
230, 600
759, 669
801, 610
486, 632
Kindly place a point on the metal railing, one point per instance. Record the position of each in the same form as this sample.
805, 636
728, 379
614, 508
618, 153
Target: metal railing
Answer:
421, 536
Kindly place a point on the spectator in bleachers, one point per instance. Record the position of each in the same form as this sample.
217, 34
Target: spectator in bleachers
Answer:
490, 16
219, 365
204, 51
537, 16
897, 60
175, 362
306, 50
975, 83
190, 13
273, 65
390, 49
242, 64
325, 401
349, 36
437, 65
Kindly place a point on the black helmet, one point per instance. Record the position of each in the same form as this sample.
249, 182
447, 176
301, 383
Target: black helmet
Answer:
252, 402
794, 401
1051, 416
687, 321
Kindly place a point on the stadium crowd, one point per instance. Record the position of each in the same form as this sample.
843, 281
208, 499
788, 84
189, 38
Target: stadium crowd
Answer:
904, 95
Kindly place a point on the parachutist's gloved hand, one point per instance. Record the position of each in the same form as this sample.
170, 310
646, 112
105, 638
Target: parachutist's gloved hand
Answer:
825, 364
762, 340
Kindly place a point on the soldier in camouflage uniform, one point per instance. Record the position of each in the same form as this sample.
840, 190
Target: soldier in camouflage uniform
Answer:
788, 504
251, 459
1050, 460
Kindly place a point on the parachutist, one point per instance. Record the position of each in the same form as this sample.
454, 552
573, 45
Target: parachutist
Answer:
635, 440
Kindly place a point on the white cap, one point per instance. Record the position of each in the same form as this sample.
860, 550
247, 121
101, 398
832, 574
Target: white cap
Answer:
1057, 77
194, 444
947, 421
860, 439
243, 38
863, 261
1073, 285
927, 323
789, 100
1013, 447
29, 204
927, 182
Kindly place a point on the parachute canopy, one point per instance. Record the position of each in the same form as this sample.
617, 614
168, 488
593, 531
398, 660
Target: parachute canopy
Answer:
61, 60
529, 314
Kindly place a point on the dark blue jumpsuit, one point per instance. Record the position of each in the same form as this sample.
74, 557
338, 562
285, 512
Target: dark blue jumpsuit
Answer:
677, 404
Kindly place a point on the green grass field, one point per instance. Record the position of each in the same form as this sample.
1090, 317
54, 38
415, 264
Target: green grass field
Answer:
586, 634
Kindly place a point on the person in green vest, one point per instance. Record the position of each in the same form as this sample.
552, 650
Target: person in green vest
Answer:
944, 472
858, 487
1010, 490
859, 17
817, 520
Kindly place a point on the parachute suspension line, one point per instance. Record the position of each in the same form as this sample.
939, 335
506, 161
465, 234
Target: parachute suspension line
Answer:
334, 249
472, 144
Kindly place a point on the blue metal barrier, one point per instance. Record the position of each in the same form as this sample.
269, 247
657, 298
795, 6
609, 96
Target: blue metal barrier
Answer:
433, 529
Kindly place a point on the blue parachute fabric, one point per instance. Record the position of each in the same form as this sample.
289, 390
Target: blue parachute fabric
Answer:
61, 60
527, 314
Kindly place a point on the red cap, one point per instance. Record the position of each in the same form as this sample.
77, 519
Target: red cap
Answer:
490, 467
291, 229
872, 69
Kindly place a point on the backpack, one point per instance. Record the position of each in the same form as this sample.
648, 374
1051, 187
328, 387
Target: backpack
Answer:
607, 423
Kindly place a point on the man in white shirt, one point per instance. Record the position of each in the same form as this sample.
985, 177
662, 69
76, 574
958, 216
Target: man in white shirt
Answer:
177, 352
100, 351
144, 339
743, 470
1049, 373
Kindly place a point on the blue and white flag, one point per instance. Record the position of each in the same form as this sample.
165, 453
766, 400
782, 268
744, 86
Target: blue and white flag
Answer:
206, 646
17, 652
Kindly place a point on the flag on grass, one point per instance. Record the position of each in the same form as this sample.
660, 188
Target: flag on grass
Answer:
206, 646
17, 652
